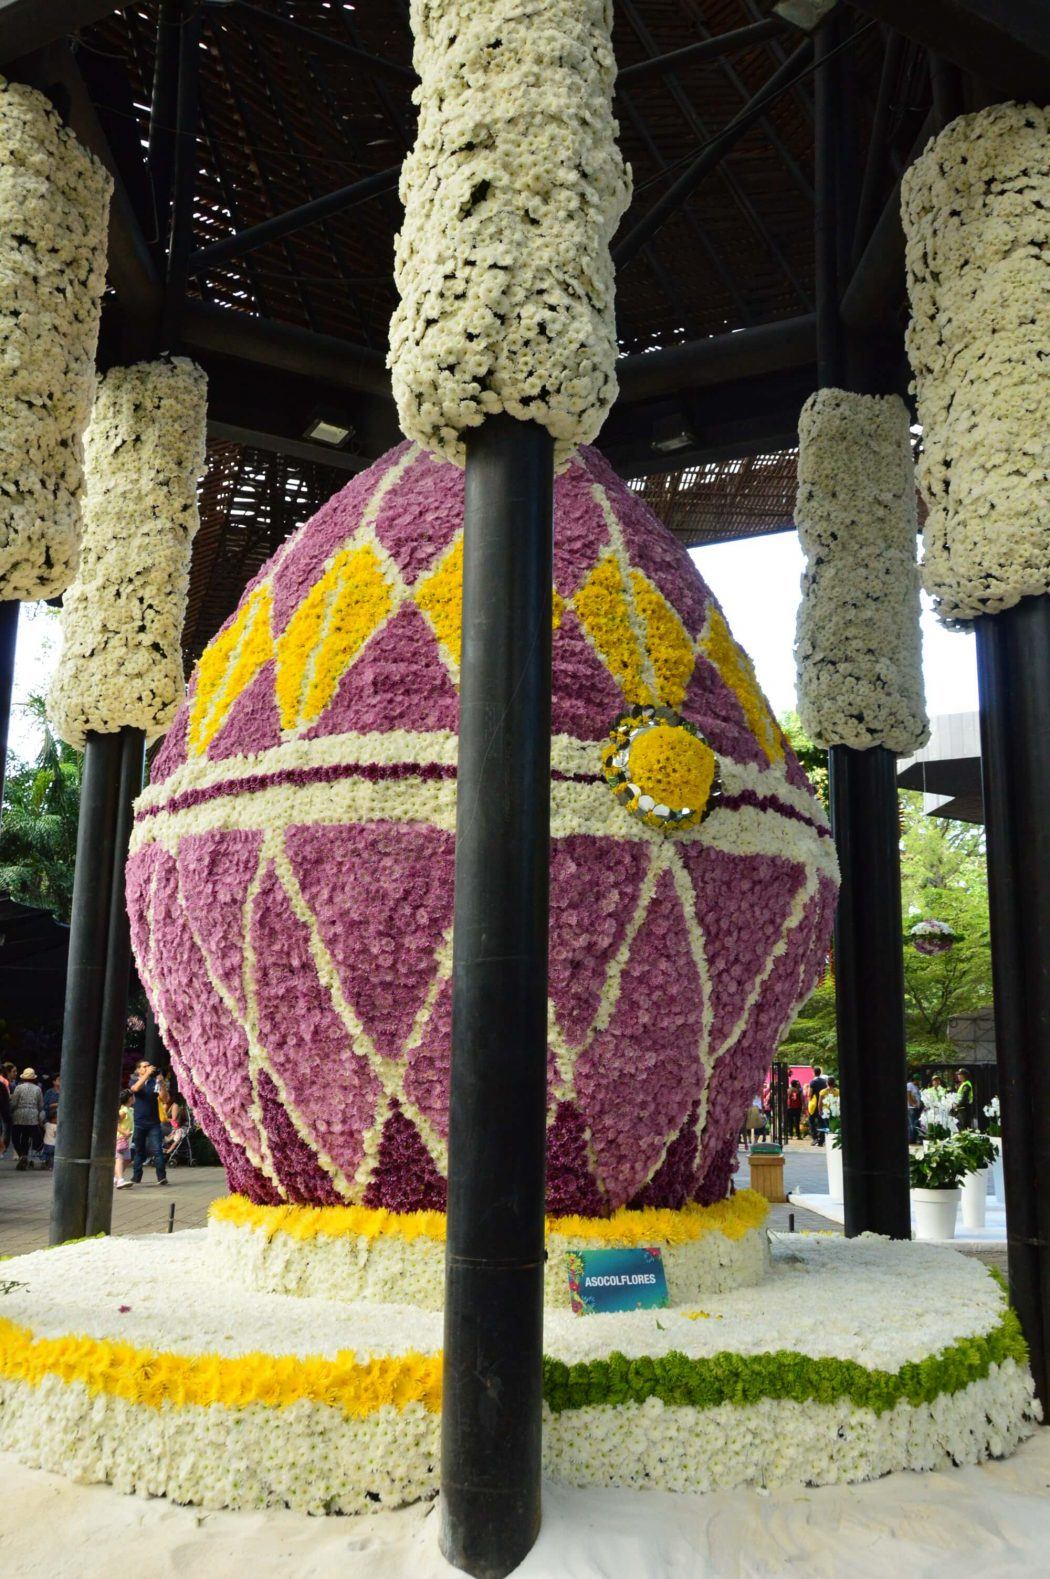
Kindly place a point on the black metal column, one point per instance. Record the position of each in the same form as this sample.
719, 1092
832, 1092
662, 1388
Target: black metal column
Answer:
1013, 671
869, 992
114, 997
8, 642
85, 979
869, 967
493, 1379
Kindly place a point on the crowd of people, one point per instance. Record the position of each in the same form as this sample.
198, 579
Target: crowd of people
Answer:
813, 1107
153, 1123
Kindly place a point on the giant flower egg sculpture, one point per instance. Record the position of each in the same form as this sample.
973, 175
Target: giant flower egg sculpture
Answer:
290, 880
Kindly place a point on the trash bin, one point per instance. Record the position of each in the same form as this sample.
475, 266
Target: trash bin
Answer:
767, 1172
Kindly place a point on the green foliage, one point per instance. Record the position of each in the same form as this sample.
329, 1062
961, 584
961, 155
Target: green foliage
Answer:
748, 1378
943, 878
813, 1038
813, 758
940, 1165
38, 830
976, 1149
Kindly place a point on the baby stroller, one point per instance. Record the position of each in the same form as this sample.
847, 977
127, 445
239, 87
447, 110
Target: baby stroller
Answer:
177, 1148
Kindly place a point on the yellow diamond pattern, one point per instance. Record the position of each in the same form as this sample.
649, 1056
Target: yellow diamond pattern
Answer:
228, 665
440, 597
737, 670
669, 646
603, 608
327, 631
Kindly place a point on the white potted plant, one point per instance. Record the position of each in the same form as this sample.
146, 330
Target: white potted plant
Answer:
978, 1152
937, 1170
994, 1130
832, 1108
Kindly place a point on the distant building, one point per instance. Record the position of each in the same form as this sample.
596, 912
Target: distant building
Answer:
948, 769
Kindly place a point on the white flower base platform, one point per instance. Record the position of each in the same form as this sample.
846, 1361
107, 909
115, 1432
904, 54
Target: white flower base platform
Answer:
993, 1232
140, 1363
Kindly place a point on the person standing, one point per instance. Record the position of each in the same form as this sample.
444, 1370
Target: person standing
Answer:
27, 1117
147, 1087
125, 1130
51, 1100
816, 1086
794, 1109
914, 1113
966, 1107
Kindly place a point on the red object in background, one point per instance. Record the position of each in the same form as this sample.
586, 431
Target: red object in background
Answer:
803, 1073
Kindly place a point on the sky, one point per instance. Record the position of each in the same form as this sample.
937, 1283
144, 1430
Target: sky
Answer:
756, 581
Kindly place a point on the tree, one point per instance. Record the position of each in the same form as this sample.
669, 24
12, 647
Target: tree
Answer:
38, 826
813, 758
943, 878
813, 1038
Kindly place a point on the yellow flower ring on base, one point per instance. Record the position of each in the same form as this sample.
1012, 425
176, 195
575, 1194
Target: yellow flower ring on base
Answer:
358, 1253
864, 1356
661, 769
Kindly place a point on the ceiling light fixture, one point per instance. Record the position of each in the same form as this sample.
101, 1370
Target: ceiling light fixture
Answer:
327, 430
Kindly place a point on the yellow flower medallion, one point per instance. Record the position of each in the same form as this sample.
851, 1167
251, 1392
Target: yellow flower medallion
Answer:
661, 769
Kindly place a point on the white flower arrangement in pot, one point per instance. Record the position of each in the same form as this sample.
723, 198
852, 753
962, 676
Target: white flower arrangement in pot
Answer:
832, 1107
937, 1171
994, 1130
979, 1152
938, 1112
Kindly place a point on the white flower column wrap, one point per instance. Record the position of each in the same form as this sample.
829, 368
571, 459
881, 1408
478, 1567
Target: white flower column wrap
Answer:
511, 193
54, 202
976, 210
858, 645
121, 663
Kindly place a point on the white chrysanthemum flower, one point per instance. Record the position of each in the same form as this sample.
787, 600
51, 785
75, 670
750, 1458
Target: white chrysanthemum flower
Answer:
976, 211
512, 193
54, 205
858, 646
121, 662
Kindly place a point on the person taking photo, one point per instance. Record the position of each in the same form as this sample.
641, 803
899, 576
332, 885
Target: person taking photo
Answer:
149, 1091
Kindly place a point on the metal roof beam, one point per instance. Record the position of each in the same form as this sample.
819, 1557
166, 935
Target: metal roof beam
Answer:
876, 289
26, 25
705, 49
1005, 43
711, 155
295, 219
696, 364
320, 43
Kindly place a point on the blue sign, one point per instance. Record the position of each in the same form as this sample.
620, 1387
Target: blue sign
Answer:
602, 1281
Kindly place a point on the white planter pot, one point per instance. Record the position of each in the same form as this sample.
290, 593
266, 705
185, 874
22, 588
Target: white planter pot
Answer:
834, 1157
974, 1198
935, 1213
997, 1170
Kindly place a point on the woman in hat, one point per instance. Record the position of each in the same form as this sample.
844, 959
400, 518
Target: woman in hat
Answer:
27, 1116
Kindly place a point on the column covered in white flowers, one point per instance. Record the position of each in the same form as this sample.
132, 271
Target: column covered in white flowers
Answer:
860, 692
859, 675
118, 683
54, 202
976, 209
502, 353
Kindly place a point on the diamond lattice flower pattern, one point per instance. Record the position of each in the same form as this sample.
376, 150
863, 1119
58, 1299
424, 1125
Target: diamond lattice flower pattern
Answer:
290, 881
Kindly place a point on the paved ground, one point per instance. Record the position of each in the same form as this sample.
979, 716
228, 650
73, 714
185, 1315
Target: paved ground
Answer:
25, 1205
25, 1200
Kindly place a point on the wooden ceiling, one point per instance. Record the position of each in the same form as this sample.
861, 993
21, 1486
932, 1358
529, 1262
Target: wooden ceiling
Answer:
283, 102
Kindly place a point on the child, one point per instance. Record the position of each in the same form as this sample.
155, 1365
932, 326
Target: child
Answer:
50, 1131
124, 1129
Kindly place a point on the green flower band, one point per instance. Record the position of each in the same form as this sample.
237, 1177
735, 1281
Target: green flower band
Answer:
749, 1378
